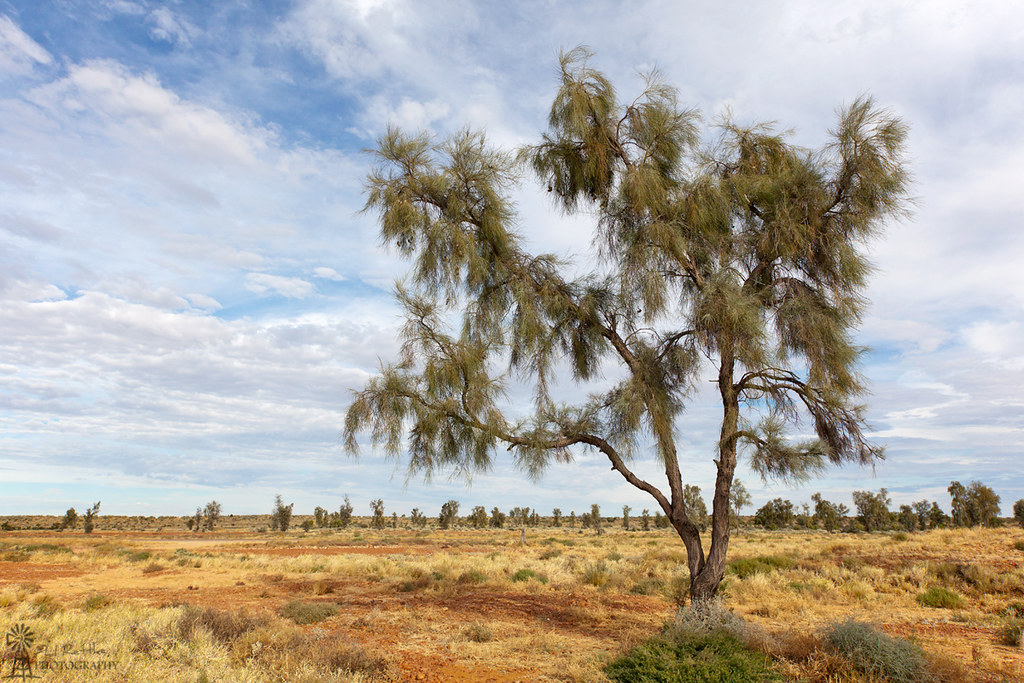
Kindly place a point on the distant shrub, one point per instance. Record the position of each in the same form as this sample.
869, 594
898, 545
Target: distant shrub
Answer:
648, 586
308, 612
876, 654
350, 658
685, 657
748, 566
45, 605
140, 556
152, 568
549, 554
940, 597
1019, 545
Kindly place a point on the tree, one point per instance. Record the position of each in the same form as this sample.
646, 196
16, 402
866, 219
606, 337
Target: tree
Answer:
738, 499
625, 516
973, 505
320, 516
89, 520
212, 513
497, 518
873, 509
1018, 512
449, 511
556, 517
417, 518
645, 520
908, 518
70, 520
921, 509
478, 517
696, 511
377, 520
746, 256
827, 514
197, 520
344, 515
281, 515
774, 514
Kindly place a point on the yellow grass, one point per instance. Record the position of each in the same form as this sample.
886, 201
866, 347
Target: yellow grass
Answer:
557, 608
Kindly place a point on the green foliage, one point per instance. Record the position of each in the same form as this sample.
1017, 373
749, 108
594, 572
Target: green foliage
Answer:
1018, 512
527, 574
1012, 632
748, 566
774, 514
873, 509
70, 520
449, 512
89, 519
308, 612
688, 657
597, 574
746, 253
973, 505
696, 510
212, 514
876, 654
343, 517
281, 515
828, 515
377, 508
478, 517
497, 518
938, 596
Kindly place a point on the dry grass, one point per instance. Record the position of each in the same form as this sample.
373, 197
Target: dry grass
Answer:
556, 608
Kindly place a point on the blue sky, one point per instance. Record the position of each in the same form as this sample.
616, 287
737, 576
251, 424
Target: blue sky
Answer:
188, 291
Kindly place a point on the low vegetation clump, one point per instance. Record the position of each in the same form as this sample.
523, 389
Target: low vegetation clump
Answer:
748, 566
224, 626
308, 612
527, 574
682, 657
876, 654
1012, 632
940, 597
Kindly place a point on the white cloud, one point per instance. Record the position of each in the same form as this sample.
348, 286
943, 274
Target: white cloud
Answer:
325, 273
19, 54
169, 27
290, 287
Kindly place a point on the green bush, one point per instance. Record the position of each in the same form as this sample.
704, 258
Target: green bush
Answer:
748, 566
1019, 545
527, 574
876, 654
686, 657
308, 612
940, 597
472, 576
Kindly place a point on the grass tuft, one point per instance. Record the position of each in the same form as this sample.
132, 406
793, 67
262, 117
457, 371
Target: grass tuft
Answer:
748, 566
308, 612
876, 654
940, 597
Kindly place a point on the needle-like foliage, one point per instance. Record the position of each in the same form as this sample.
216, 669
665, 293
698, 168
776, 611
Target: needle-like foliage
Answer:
743, 259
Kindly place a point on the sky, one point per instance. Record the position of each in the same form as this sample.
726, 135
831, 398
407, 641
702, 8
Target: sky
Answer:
189, 292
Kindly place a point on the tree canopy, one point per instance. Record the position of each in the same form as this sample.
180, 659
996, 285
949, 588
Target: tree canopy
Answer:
728, 253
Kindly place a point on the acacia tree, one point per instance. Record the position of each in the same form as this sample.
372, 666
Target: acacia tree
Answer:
741, 260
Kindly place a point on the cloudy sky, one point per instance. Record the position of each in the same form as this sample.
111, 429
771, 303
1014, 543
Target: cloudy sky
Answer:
188, 292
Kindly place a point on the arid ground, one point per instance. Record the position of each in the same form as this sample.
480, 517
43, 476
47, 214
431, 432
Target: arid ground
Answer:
475, 605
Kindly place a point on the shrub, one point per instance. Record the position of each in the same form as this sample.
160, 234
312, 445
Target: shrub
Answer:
95, 601
940, 597
472, 576
748, 566
596, 574
1019, 545
224, 626
685, 657
478, 633
349, 657
1011, 632
308, 612
527, 574
152, 568
876, 654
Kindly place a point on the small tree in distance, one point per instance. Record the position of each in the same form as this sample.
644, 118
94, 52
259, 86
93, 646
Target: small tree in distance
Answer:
1018, 512
89, 520
449, 511
745, 257
70, 520
281, 515
212, 514
377, 507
